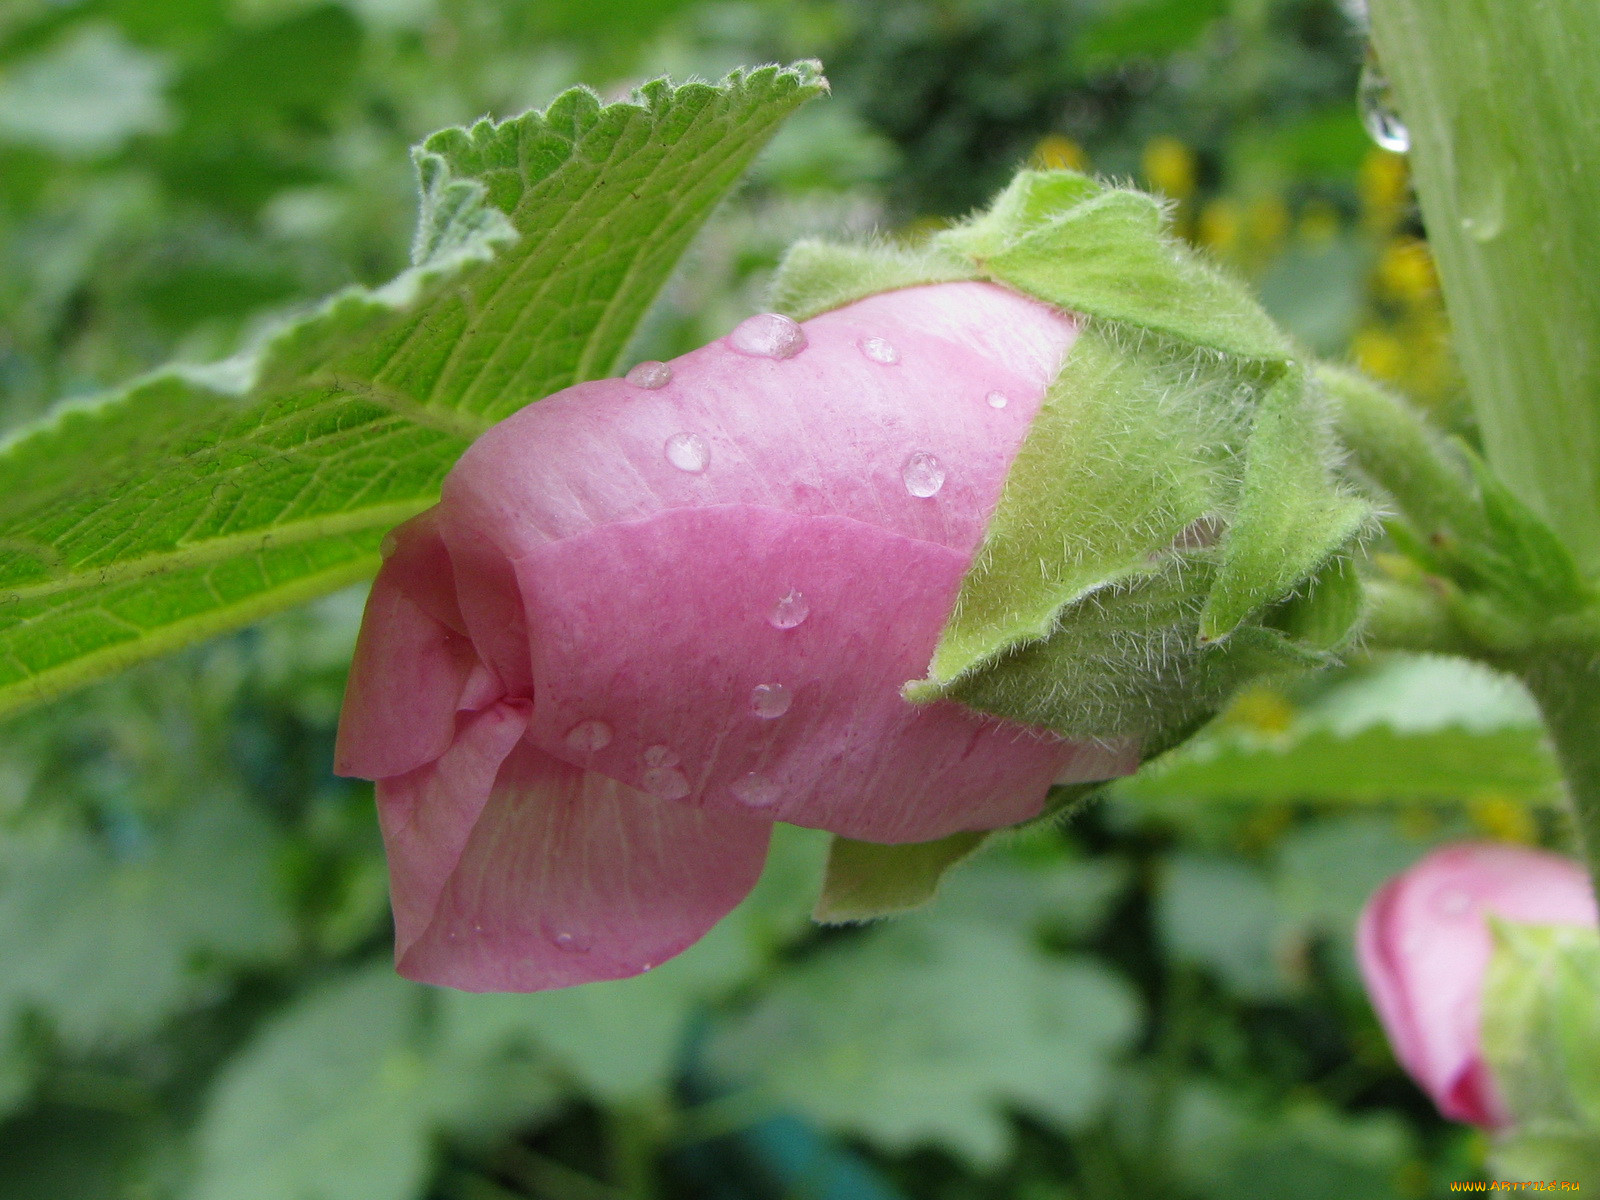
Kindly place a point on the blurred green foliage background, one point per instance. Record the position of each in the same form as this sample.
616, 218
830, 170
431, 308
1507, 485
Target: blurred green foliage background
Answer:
1155, 1000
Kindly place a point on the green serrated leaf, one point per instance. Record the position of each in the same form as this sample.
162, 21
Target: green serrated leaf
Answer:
329, 1100
1411, 728
927, 1032
867, 880
1290, 516
199, 500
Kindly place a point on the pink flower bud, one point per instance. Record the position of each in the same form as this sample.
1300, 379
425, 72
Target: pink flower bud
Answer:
1424, 945
650, 616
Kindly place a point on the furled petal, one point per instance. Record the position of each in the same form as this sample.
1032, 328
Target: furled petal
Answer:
671, 632
410, 665
827, 432
1424, 944
568, 877
428, 814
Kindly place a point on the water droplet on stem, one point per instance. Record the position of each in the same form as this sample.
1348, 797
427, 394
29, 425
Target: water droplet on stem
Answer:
1375, 98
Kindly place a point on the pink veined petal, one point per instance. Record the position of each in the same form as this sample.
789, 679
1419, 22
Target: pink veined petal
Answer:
827, 432
664, 630
1093, 761
409, 669
1425, 945
569, 877
428, 814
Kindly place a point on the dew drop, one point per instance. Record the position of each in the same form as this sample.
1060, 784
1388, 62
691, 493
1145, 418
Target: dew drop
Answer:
570, 940
923, 474
769, 701
879, 350
767, 335
997, 399
588, 736
388, 546
668, 783
754, 791
789, 611
661, 756
688, 452
650, 375
1375, 97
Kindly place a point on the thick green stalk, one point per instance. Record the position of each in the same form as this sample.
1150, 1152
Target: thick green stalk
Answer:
1502, 101
1567, 687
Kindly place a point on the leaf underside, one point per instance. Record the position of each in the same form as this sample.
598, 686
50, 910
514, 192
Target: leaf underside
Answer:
198, 500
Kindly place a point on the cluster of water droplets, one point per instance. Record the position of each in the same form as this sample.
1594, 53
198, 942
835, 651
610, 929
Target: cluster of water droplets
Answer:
662, 777
586, 737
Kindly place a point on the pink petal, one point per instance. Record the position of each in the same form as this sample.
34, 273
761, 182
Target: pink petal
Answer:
663, 630
429, 814
568, 877
1424, 946
410, 666
826, 433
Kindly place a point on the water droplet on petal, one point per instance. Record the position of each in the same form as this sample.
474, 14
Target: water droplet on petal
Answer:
879, 350
588, 736
997, 399
688, 452
1375, 97
755, 791
923, 474
570, 940
770, 701
388, 546
767, 335
649, 375
789, 611
661, 756
668, 783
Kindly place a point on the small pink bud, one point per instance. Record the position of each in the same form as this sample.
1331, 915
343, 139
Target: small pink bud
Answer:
645, 622
1424, 945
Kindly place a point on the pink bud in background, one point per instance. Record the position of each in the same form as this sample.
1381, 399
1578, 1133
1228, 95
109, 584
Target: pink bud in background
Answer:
650, 616
1424, 945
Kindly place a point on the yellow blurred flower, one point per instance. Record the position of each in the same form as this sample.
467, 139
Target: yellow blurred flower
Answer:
1503, 819
1385, 188
1057, 152
1220, 225
1169, 167
1261, 710
1319, 223
1268, 222
1378, 352
1405, 270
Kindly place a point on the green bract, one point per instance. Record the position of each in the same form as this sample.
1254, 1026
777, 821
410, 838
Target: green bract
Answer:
1172, 525
1540, 1025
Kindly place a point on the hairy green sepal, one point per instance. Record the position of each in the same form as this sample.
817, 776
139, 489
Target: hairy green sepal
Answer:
1162, 526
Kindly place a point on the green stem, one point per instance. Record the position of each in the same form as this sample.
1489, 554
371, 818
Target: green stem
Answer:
1500, 100
1567, 688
